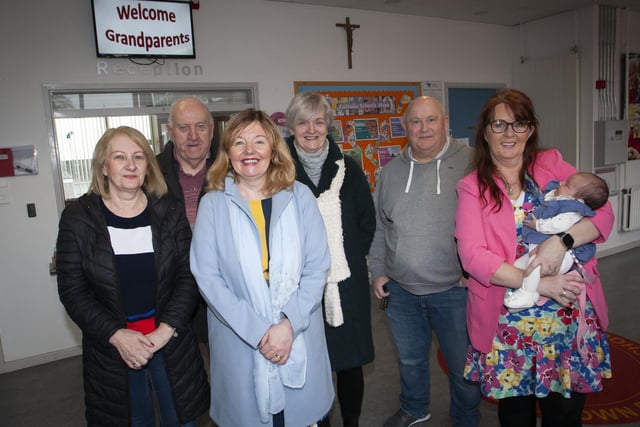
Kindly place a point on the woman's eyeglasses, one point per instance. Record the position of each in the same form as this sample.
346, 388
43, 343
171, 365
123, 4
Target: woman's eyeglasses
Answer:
500, 126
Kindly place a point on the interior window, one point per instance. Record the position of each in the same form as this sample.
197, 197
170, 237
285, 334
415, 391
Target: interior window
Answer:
79, 117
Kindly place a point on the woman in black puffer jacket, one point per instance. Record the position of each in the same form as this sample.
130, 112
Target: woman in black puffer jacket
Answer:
124, 279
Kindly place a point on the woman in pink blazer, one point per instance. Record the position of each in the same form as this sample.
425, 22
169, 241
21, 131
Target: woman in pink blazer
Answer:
553, 353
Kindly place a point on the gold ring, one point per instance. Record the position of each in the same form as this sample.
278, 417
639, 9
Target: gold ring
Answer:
277, 357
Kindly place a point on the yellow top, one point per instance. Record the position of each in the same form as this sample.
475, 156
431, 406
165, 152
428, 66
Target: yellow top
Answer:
255, 206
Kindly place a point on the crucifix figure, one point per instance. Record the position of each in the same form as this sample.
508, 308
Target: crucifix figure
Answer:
348, 27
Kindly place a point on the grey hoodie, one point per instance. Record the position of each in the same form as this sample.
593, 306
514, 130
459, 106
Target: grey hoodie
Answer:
415, 207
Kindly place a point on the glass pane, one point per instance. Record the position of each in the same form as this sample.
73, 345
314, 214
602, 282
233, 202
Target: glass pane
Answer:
94, 101
65, 101
218, 96
141, 123
76, 141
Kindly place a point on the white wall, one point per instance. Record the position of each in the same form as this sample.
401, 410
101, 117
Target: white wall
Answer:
274, 44
629, 173
546, 68
551, 38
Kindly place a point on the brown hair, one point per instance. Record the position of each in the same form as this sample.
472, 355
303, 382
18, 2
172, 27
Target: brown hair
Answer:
281, 172
522, 107
153, 181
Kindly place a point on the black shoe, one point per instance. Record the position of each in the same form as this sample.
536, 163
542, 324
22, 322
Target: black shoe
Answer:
402, 419
348, 421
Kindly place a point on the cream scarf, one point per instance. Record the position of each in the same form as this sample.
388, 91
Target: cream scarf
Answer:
331, 211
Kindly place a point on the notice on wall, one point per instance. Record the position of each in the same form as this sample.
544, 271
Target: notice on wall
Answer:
16, 161
434, 89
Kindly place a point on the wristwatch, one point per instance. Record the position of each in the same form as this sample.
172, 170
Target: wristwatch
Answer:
567, 240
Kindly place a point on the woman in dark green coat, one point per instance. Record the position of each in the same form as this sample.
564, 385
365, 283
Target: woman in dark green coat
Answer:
346, 205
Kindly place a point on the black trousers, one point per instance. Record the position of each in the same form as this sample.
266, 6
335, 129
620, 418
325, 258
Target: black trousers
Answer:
556, 410
350, 385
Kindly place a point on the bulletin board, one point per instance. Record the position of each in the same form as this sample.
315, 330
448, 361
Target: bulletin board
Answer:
367, 122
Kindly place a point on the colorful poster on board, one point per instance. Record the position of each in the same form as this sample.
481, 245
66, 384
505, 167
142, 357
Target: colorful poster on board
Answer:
367, 119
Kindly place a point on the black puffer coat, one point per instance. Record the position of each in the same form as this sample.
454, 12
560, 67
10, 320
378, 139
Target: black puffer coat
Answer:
89, 289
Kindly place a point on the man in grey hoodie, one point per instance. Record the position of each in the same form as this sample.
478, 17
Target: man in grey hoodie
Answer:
414, 263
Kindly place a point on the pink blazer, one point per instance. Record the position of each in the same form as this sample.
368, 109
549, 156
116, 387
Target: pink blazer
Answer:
487, 238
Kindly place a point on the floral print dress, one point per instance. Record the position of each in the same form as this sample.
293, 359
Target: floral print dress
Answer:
535, 351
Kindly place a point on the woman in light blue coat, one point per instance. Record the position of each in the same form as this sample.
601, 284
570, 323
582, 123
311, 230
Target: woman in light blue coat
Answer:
259, 254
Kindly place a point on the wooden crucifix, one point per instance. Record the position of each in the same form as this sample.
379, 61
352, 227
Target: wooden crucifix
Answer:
348, 27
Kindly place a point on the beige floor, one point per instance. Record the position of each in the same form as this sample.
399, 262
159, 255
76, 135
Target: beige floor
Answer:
51, 394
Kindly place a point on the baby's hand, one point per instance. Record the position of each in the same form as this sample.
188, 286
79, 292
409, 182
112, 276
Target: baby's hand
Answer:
530, 221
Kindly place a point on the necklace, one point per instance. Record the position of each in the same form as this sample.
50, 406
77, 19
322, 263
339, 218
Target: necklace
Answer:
509, 189
508, 186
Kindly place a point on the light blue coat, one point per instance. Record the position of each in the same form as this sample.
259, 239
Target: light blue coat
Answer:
235, 328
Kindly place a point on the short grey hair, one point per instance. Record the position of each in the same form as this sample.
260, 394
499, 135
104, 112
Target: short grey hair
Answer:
308, 104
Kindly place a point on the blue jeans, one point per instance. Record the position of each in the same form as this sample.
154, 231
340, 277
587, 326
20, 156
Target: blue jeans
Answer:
413, 319
149, 387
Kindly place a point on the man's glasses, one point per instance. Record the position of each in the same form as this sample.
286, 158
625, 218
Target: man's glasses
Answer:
500, 126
